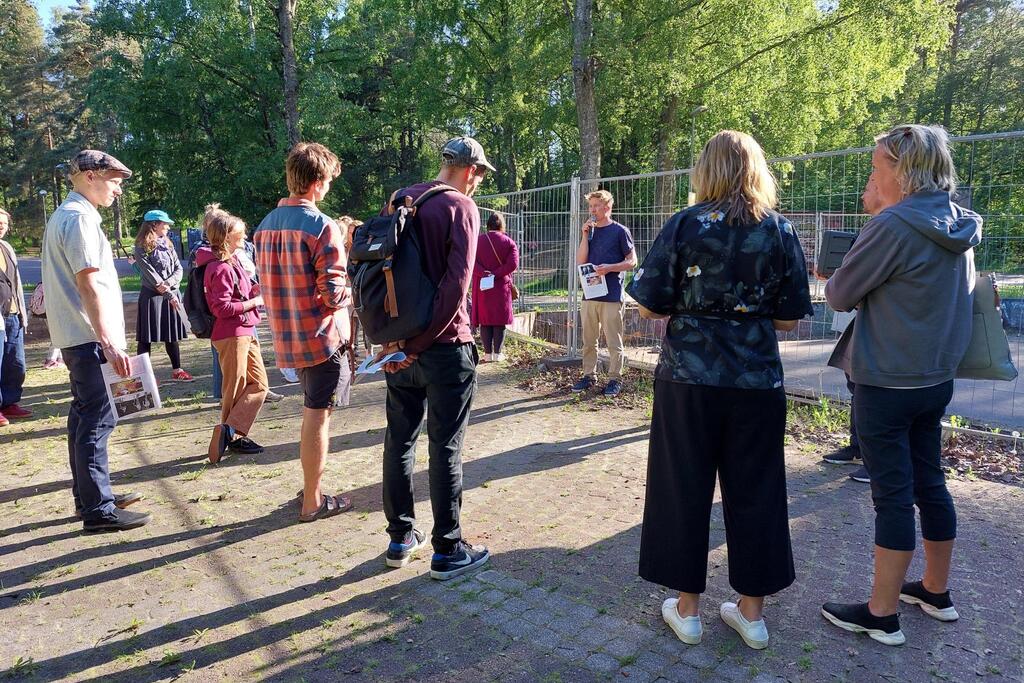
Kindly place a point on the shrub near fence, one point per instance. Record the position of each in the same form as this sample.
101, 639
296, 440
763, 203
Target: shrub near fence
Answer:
819, 191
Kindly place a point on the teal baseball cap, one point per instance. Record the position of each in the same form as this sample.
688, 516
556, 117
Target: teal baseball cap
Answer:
158, 215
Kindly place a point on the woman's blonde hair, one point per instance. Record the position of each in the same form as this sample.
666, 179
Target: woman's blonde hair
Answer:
921, 156
146, 239
217, 223
733, 175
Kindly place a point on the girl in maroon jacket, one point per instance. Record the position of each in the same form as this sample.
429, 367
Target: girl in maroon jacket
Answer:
497, 257
234, 300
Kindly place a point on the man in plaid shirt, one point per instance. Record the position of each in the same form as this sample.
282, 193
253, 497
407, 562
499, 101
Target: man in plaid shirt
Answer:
301, 258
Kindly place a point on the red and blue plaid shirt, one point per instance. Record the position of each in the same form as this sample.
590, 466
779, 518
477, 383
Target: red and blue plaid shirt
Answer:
301, 260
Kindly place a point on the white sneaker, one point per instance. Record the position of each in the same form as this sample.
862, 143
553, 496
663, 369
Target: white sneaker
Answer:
687, 629
753, 633
289, 375
500, 357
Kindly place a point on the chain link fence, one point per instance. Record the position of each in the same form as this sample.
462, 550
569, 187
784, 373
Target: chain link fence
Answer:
817, 192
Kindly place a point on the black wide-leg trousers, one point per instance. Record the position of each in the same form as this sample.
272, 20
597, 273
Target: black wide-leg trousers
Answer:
698, 433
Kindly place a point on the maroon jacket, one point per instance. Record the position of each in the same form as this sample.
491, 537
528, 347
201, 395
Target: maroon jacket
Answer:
225, 292
497, 254
448, 225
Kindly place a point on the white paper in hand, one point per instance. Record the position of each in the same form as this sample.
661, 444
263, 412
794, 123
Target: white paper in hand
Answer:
367, 367
135, 394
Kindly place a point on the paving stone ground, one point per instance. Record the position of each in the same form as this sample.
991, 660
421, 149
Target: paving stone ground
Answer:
226, 585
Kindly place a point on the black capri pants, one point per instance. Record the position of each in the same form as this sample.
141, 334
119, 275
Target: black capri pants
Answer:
900, 435
698, 432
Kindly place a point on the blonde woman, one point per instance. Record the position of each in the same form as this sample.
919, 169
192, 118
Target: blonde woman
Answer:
159, 318
726, 273
234, 300
910, 275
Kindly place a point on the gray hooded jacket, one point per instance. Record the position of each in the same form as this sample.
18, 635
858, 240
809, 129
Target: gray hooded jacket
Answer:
910, 274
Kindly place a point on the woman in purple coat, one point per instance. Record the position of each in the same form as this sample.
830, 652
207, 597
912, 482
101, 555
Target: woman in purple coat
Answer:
497, 257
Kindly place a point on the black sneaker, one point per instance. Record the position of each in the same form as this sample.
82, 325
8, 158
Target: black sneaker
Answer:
465, 558
118, 520
583, 384
857, 618
861, 475
245, 446
399, 554
121, 501
846, 455
614, 388
936, 605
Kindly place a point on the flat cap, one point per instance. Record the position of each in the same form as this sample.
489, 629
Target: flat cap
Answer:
95, 160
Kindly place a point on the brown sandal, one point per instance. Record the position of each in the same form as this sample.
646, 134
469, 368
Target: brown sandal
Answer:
329, 507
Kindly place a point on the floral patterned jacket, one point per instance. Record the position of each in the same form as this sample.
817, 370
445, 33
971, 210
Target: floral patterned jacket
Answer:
722, 285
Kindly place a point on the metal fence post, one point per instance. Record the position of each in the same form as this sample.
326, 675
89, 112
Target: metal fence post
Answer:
572, 312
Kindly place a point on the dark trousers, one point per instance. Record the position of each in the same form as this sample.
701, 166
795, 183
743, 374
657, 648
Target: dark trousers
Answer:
90, 423
442, 380
699, 432
173, 352
12, 360
900, 436
493, 337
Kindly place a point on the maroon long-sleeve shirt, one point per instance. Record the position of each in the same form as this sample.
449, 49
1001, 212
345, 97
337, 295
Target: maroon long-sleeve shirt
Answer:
448, 224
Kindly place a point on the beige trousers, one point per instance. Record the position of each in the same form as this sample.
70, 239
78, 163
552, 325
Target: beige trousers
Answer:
603, 316
245, 384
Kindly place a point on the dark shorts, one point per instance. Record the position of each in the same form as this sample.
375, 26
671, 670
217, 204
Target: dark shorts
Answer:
320, 382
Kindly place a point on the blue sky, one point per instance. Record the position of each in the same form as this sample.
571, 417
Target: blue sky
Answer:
45, 8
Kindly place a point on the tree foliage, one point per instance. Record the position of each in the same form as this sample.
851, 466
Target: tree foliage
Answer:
199, 96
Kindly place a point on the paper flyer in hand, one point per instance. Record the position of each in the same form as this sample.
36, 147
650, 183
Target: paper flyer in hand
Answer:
135, 394
593, 285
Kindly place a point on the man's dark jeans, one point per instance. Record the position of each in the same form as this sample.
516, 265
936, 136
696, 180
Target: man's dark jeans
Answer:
900, 437
12, 360
443, 379
90, 423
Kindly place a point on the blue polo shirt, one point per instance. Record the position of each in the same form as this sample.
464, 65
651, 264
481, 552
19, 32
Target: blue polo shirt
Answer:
610, 244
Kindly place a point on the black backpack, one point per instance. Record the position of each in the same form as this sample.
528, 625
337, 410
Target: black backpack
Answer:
198, 311
393, 296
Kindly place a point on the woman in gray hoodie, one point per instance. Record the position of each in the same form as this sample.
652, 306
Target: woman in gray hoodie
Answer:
910, 275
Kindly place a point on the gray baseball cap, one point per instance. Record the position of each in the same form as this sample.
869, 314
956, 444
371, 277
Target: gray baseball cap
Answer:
464, 151
95, 160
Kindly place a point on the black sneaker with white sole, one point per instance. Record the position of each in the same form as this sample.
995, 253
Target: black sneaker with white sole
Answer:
861, 475
857, 618
465, 558
936, 605
399, 554
847, 455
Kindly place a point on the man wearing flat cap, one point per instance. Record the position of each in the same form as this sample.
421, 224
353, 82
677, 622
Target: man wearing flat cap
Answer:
439, 372
83, 305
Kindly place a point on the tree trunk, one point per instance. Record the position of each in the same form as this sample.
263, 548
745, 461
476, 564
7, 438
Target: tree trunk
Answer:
285, 32
665, 185
584, 71
118, 225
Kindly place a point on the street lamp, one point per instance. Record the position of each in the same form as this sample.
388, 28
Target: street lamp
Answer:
699, 109
42, 200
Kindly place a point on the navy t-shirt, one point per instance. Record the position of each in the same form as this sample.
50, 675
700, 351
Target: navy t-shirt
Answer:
610, 244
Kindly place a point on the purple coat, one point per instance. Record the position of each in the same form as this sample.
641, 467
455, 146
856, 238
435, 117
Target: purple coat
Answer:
494, 306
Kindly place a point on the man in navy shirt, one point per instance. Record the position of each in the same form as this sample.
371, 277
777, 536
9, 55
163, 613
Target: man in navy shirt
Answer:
607, 245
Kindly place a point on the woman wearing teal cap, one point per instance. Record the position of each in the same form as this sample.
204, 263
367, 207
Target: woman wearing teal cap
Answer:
160, 317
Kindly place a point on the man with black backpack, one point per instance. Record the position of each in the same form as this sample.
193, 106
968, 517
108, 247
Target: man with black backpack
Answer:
439, 371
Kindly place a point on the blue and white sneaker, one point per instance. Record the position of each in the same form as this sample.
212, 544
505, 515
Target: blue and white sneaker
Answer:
465, 558
399, 554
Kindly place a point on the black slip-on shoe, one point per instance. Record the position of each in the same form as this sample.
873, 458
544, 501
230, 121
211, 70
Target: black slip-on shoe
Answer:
243, 445
857, 618
936, 605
